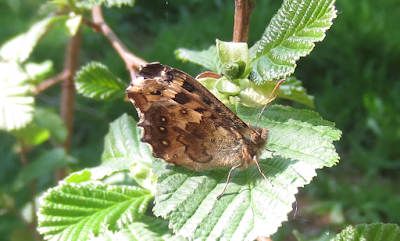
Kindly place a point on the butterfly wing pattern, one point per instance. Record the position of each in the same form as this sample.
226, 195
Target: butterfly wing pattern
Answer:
187, 125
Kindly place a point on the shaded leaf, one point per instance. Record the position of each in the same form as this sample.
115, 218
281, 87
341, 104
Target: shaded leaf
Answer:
147, 228
31, 135
370, 232
290, 35
206, 58
301, 142
96, 81
51, 160
51, 121
79, 211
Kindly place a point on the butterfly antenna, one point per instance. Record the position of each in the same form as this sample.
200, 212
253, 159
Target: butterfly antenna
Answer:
270, 99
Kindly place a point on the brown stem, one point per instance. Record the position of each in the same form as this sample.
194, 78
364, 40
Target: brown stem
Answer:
32, 195
132, 62
243, 9
52, 81
68, 93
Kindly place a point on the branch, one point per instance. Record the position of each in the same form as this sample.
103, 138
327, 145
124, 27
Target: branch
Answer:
32, 195
132, 62
68, 93
243, 9
52, 81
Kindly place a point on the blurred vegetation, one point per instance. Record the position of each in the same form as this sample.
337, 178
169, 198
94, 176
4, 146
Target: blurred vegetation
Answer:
353, 74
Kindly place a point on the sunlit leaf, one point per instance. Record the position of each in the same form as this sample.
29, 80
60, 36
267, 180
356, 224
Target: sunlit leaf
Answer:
123, 151
16, 101
300, 142
20, 47
88, 4
96, 81
78, 211
291, 34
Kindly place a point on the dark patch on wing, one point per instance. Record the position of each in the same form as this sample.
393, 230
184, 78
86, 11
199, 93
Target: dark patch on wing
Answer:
187, 86
151, 70
181, 98
200, 110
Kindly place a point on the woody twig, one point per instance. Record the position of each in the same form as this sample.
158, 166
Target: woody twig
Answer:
243, 10
132, 62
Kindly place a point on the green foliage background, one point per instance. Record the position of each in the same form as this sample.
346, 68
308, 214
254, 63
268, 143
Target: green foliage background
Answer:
353, 75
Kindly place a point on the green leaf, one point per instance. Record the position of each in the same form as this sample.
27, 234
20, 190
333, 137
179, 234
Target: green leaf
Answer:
48, 119
370, 232
46, 124
51, 160
147, 228
96, 81
79, 211
292, 89
300, 142
123, 151
73, 24
256, 95
88, 4
206, 58
16, 101
123, 141
20, 47
31, 135
38, 71
291, 34
234, 58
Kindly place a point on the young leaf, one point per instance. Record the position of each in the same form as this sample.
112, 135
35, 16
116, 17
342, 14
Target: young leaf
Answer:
234, 58
290, 35
20, 47
96, 81
16, 101
300, 141
79, 211
370, 232
206, 58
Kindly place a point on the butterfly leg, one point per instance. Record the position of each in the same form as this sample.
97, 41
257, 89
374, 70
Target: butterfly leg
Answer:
255, 159
229, 177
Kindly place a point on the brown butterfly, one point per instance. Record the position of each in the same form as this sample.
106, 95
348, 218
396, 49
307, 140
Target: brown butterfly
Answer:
188, 126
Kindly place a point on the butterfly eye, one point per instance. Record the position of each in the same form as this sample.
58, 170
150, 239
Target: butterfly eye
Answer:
157, 92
